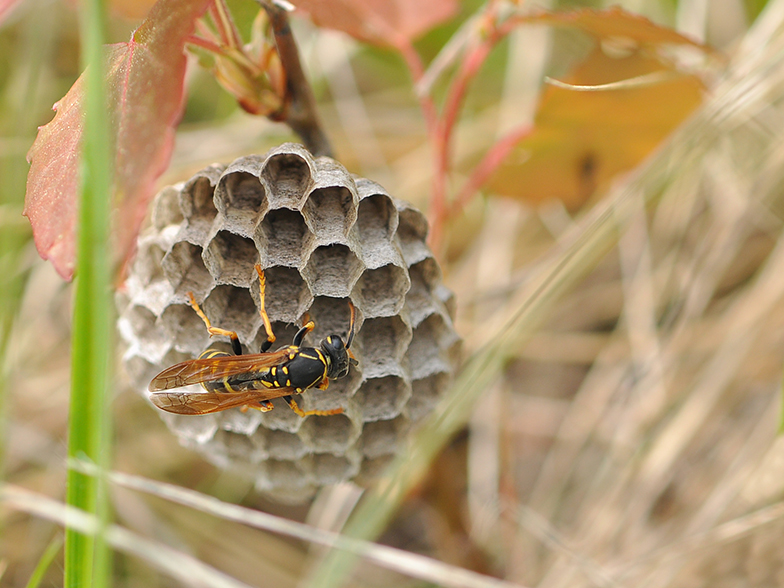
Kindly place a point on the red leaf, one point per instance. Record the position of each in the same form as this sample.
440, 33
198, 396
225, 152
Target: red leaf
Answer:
50, 201
145, 84
6, 7
379, 22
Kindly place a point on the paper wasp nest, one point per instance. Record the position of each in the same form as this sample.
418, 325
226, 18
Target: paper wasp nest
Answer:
323, 237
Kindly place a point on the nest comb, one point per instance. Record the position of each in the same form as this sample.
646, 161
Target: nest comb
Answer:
323, 237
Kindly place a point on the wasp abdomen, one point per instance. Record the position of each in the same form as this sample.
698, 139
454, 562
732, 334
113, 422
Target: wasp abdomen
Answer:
235, 383
222, 385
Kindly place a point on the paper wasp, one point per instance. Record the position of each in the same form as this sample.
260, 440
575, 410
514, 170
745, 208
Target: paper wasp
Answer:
252, 381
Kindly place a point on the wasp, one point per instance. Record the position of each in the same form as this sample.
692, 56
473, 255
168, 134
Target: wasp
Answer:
252, 381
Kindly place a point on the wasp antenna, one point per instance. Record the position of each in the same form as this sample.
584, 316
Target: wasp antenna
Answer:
351, 324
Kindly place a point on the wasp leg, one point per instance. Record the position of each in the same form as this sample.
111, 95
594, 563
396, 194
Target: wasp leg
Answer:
264, 406
353, 320
235, 341
323, 384
263, 311
306, 328
293, 405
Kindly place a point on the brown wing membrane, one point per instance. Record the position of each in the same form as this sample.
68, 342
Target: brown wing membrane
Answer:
204, 403
207, 369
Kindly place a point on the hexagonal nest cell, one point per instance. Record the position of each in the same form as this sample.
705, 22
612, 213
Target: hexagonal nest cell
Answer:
323, 238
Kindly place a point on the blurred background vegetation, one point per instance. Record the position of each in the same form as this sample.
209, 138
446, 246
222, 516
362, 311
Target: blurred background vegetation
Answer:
630, 440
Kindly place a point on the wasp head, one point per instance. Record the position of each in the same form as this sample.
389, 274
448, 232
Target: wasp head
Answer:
337, 356
337, 353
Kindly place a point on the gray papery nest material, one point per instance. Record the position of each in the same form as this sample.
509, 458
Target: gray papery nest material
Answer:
322, 236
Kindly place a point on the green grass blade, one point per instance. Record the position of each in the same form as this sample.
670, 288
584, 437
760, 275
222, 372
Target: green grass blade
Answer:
86, 558
46, 560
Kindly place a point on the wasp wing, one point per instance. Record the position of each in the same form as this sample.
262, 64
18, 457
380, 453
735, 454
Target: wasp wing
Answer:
204, 403
208, 369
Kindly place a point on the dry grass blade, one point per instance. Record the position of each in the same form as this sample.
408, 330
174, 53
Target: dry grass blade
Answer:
666, 445
410, 564
722, 534
188, 570
637, 82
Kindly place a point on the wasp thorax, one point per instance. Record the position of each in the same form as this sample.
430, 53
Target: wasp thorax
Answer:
323, 236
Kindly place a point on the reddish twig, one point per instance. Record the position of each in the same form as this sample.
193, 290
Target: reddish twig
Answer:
456, 96
417, 71
490, 35
491, 32
439, 211
490, 162
204, 44
430, 114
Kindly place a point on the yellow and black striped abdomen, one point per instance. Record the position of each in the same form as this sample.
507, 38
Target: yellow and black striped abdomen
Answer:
236, 383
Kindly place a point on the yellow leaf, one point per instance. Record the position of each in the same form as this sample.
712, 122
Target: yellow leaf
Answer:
582, 139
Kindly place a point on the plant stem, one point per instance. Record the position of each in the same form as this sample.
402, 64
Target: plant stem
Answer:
301, 114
